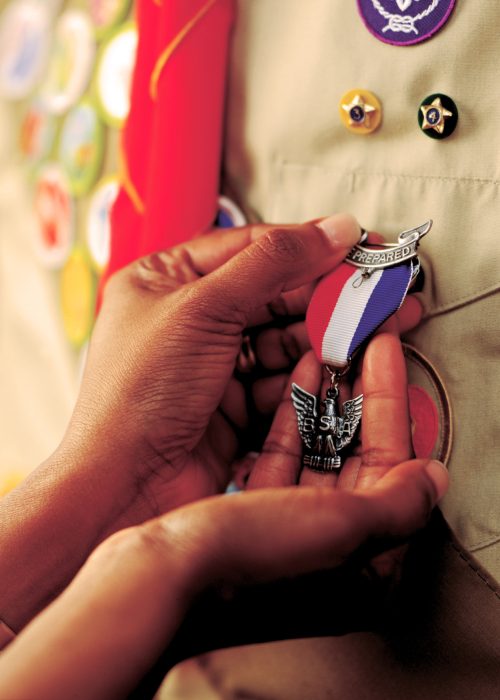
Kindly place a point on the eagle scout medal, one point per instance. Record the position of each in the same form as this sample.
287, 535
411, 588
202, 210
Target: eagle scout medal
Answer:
404, 22
346, 308
325, 434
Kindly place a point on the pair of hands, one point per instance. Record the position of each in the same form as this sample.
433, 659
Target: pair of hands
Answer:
159, 419
160, 404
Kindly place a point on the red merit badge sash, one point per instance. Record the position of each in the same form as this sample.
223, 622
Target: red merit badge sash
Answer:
172, 140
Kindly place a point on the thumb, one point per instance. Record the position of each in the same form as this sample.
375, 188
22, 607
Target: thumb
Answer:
407, 491
270, 533
281, 258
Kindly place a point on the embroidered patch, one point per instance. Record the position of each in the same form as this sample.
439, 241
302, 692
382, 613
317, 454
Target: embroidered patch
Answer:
405, 22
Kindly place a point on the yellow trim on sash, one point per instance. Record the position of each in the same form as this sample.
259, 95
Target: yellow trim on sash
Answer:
126, 182
169, 50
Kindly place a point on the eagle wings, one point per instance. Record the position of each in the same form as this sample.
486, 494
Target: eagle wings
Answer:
351, 413
306, 409
305, 405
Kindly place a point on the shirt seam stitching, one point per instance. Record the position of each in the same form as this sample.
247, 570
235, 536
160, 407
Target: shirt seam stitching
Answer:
476, 570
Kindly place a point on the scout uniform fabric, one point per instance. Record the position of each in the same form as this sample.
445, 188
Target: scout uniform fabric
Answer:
330, 107
290, 157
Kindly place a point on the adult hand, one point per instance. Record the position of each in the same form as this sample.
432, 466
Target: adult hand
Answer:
158, 416
105, 631
159, 405
385, 435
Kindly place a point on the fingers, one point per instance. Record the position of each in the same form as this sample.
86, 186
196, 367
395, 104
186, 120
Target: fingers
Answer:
278, 348
385, 428
419, 485
136, 588
268, 392
212, 250
407, 317
410, 314
293, 303
281, 259
280, 461
283, 532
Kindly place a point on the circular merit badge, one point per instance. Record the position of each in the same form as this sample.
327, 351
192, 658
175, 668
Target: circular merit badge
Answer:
77, 297
37, 133
430, 408
98, 234
107, 14
71, 62
405, 22
114, 75
54, 212
24, 46
81, 148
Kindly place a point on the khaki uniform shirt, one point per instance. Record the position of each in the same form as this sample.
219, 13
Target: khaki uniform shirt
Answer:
289, 158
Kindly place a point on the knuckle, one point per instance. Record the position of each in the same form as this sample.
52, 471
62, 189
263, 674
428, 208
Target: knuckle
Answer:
384, 457
278, 308
114, 546
149, 539
125, 545
376, 457
282, 244
279, 447
210, 305
134, 541
282, 441
164, 270
426, 501
290, 346
214, 306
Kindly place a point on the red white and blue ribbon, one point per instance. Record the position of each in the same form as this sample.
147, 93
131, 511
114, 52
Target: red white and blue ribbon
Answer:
346, 308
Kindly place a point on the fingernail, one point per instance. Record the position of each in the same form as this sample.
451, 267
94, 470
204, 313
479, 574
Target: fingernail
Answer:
439, 476
341, 229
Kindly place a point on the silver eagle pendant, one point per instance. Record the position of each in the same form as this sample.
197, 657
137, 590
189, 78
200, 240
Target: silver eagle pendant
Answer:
325, 433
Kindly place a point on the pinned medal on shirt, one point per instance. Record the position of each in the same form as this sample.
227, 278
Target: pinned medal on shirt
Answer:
347, 307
